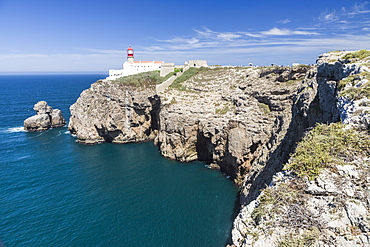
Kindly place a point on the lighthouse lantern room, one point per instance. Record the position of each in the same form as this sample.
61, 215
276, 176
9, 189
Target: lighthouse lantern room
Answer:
130, 55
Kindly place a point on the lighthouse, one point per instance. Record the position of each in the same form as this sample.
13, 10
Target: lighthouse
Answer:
130, 55
131, 67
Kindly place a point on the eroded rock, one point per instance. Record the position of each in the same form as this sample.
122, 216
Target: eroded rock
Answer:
115, 112
46, 117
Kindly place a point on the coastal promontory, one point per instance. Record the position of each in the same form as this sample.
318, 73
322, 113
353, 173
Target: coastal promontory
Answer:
262, 127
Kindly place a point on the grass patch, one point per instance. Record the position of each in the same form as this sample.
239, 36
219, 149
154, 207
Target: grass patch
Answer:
272, 202
361, 54
355, 93
307, 238
222, 111
265, 108
177, 84
342, 83
304, 66
326, 146
143, 79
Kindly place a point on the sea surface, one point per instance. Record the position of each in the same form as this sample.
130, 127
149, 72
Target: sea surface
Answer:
56, 192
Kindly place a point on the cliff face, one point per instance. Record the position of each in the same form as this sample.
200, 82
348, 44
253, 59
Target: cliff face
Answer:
115, 112
246, 122
333, 208
237, 118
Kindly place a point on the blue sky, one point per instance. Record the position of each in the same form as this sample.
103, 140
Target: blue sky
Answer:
79, 35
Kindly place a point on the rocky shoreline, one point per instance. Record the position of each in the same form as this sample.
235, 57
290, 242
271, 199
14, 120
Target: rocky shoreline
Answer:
246, 121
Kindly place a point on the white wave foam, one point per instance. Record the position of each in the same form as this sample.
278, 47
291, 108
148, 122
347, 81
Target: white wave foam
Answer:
15, 129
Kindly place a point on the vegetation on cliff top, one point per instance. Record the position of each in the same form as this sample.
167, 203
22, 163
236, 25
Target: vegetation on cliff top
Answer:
177, 84
144, 78
361, 54
285, 206
355, 92
326, 146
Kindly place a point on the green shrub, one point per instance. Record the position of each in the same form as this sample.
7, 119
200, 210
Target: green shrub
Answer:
304, 66
307, 238
178, 70
222, 111
273, 200
144, 78
350, 79
326, 146
361, 54
265, 108
355, 92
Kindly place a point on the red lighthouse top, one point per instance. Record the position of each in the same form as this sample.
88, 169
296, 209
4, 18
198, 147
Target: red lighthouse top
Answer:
130, 52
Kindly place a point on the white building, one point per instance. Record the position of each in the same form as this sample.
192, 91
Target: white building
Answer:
131, 67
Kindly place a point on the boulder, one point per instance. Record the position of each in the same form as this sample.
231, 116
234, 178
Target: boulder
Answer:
46, 117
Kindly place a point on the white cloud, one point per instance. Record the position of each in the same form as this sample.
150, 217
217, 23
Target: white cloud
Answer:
102, 51
181, 40
228, 36
285, 32
276, 31
253, 35
304, 33
284, 21
328, 17
359, 8
342, 16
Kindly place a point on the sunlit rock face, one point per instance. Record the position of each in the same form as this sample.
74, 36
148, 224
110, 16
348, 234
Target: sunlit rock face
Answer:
46, 117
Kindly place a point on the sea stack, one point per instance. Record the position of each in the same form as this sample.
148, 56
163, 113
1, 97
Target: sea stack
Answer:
46, 117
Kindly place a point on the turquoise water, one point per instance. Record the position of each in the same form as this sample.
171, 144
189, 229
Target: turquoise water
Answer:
56, 192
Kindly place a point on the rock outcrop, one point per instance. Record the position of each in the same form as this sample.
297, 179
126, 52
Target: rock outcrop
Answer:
46, 117
115, 112
237, 118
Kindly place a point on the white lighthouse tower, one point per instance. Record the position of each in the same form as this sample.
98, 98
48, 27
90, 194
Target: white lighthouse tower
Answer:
130, 55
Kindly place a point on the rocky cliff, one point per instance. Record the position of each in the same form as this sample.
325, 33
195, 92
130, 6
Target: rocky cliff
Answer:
247, 122
322, 199
236, 118
115, 112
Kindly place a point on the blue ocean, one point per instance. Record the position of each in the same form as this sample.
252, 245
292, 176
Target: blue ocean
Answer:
56, 192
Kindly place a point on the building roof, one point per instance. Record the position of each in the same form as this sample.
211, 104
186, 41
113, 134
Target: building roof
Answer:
148, 61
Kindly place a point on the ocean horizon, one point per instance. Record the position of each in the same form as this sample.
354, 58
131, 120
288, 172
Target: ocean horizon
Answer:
57, 192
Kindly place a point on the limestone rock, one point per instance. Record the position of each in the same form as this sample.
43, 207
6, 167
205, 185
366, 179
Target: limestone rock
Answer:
115, 112
236, 118
38, 122
46, 117
334, 209
57, 119
42, 107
